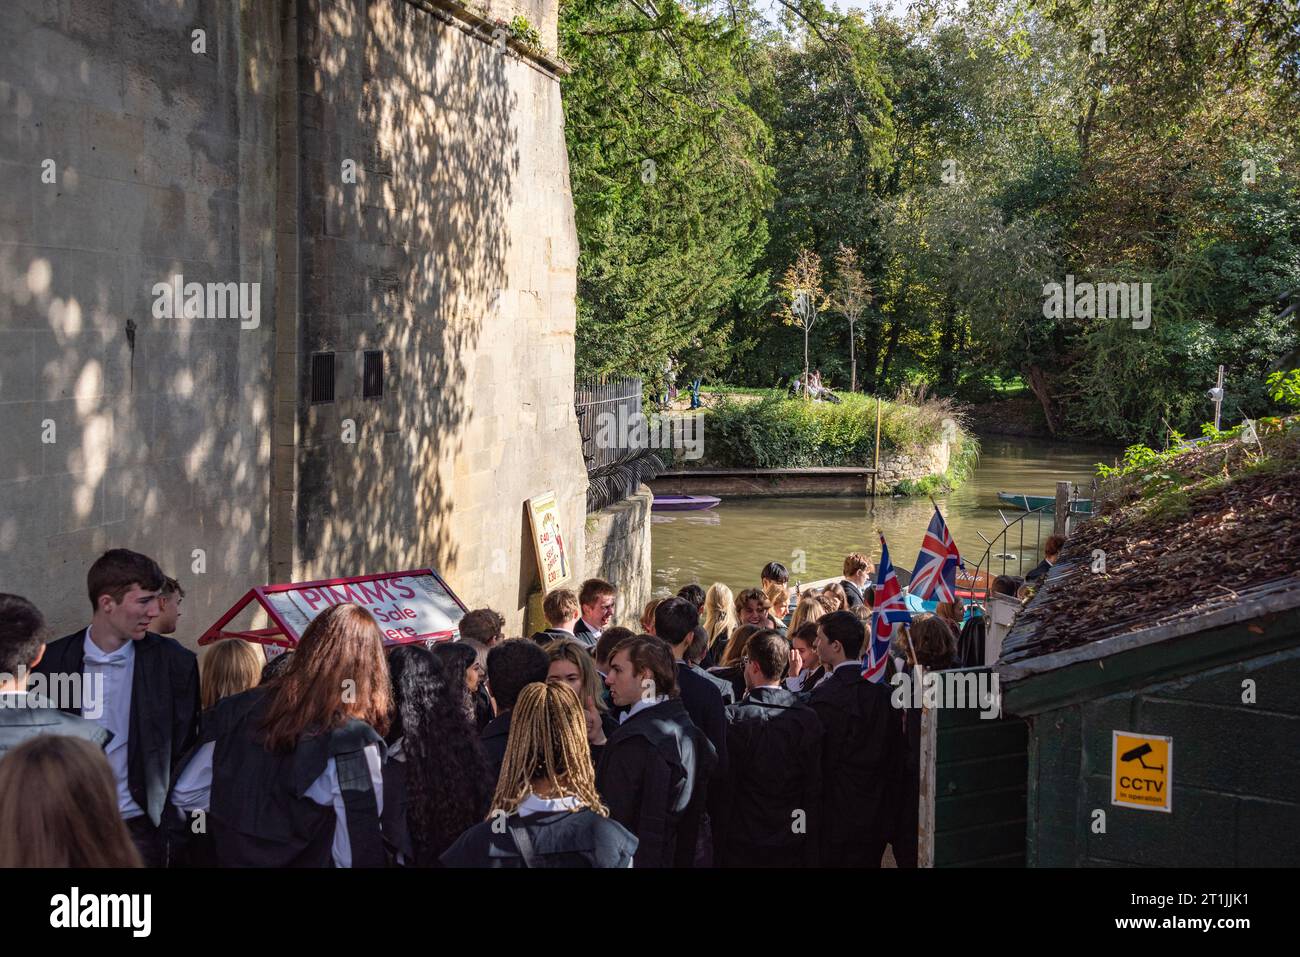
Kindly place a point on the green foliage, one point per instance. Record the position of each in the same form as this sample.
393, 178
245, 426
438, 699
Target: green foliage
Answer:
670, 184
1284, 388
777, 432
965, 156
525, 33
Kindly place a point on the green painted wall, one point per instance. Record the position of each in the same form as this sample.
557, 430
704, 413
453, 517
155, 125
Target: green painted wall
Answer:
1236, 771
979, 775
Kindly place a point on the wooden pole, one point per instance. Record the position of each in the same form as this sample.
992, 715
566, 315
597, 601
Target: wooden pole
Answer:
1062, 516
875, 470
1218, 402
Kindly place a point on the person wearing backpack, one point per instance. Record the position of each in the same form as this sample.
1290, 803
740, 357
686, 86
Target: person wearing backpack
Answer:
545, 812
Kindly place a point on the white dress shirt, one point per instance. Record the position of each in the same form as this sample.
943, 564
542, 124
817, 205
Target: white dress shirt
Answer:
106, 700
641, 705
540, 805
193, 793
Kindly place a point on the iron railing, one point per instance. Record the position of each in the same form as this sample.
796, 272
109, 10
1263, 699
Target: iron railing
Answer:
605, 410
1018, 526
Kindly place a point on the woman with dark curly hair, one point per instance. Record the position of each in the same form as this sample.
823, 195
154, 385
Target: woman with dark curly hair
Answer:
464, 670
436, 782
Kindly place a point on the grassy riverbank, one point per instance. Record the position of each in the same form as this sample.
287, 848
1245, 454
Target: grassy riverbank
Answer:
766, 429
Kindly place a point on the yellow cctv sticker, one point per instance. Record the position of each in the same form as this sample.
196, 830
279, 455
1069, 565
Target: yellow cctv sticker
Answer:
1142, 771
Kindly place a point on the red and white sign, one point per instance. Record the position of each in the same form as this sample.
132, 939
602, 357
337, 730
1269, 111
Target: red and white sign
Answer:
408, 606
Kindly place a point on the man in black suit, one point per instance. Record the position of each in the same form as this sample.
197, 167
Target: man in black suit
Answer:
598, 600
140, 686
675, 621
862, 753
654, 771
28, 712
857, 572
774, 782
562, 615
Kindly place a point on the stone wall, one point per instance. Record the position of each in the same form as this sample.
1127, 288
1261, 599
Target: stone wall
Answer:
455, 254
120, 428
912, 464
618, 549
195, 440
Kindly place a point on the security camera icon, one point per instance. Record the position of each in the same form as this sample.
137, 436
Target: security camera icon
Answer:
1137, 754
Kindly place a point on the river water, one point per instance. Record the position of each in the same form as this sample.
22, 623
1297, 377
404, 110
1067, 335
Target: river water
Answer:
732, 541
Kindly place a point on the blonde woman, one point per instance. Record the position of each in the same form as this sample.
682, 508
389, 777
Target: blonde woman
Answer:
229, 667
719, 621
546, 811
572, 664
778, 595
808, 610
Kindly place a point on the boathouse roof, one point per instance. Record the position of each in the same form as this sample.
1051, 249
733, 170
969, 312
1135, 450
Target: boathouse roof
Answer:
1204, 541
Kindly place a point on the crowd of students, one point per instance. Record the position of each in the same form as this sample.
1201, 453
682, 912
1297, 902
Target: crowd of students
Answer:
714, 735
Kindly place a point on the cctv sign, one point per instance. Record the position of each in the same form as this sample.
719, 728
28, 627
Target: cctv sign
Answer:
1142, 771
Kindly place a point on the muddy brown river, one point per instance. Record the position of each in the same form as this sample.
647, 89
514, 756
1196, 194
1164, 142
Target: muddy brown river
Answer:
811, 536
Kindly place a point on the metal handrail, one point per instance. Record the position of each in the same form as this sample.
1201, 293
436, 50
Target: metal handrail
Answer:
986, 560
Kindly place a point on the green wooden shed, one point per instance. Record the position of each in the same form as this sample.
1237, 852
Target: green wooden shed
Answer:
1216, 693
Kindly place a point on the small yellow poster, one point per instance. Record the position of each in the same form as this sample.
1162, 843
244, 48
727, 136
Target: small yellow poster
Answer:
553, 560
1142, 771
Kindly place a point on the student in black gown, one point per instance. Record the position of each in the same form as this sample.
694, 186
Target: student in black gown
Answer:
654, 771
436, 781
289, 774
862, 752
774, 782
510, 666
139, 685
546, 811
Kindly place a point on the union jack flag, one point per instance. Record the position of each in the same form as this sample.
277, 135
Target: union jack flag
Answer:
935, 575
889, 609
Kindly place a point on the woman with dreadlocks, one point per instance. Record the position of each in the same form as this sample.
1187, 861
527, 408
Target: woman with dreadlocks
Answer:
546, 812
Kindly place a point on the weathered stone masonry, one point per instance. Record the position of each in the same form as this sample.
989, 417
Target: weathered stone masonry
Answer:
453, 254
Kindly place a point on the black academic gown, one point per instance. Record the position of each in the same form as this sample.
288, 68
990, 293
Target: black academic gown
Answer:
702, 698
549, 839
259, 815
164, 710
725, 687
653, 776
862, 762
552, 634
495, 737
852, 593
582, 632
773, 789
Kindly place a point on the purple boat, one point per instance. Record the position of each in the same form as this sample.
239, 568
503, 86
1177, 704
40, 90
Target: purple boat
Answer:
683, 503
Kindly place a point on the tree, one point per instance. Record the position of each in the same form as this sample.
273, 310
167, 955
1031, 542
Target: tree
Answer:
850, 295
669, 175
802, 298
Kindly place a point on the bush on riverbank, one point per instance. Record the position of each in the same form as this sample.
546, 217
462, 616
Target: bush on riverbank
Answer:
779, 432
